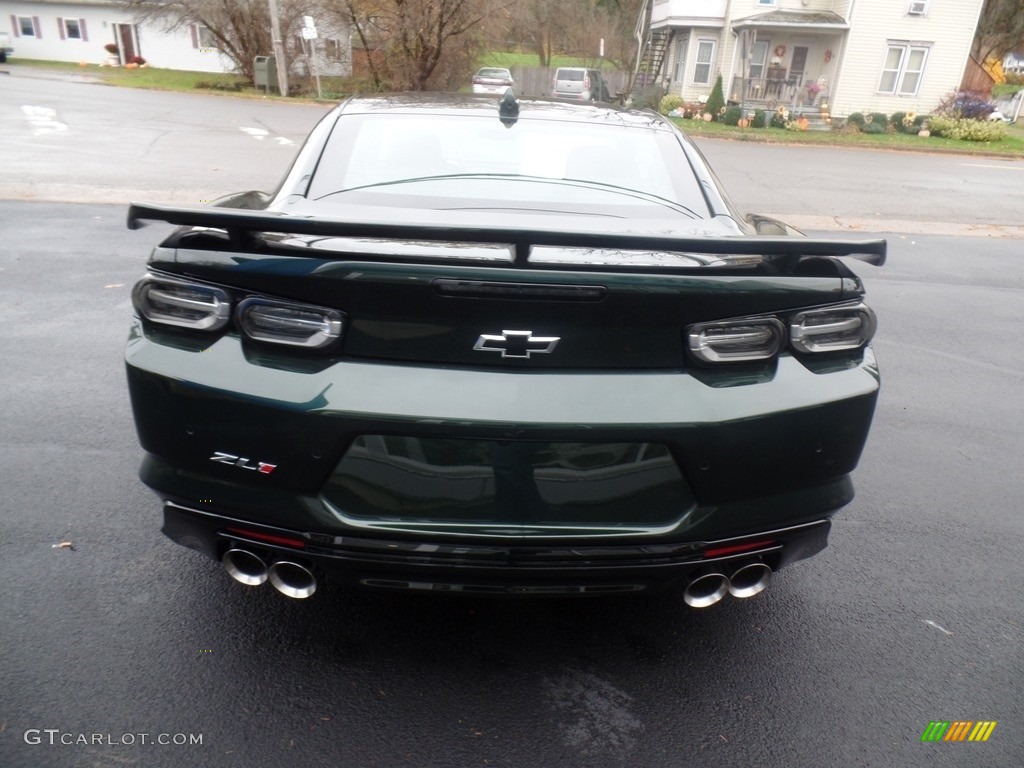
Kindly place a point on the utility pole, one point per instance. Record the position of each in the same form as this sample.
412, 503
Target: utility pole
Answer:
275, 40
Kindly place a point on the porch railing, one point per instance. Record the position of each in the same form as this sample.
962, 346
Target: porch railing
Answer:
774, 91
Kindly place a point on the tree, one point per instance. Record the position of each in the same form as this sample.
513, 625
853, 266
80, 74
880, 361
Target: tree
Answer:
240, 28
716, 101
1000, 29
419, 36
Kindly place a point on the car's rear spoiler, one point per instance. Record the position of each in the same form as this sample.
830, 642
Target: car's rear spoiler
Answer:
241, 224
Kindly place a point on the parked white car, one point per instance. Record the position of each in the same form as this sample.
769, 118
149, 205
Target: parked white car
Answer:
492, 80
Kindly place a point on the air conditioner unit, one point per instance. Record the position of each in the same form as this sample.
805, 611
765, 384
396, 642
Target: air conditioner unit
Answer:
918, 7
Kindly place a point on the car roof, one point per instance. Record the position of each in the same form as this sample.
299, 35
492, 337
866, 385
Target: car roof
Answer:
459, 104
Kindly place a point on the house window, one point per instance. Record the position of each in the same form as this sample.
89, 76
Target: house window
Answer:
333, 50
28, 26
679, 70
705, 55
203, 38
902, 69
72, 29
918, 8
766, 2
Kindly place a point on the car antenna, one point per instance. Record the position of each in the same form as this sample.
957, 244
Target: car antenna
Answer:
508, 108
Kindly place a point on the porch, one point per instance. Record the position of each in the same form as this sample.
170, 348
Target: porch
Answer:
777, 89
787, 58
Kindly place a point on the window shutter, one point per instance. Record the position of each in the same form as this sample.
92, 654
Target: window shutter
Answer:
15, 26
195, 34
37, 27
81, 26
60, 27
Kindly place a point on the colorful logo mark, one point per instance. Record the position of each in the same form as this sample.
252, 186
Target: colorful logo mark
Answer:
958, 730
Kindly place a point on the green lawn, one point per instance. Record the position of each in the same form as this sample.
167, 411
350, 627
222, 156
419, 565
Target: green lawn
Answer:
1012, 145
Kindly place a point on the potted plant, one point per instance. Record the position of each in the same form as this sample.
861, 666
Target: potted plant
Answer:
113, 60
812, 91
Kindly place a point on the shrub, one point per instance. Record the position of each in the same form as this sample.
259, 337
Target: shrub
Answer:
761, 119
967, 130
880, 118
669, 103
856, 119
716, 100
873, 128
732, 115
220, 85
136, 60
896, 118
965, 105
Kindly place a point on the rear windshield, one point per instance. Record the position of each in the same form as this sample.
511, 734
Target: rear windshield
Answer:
570, 74
476, 161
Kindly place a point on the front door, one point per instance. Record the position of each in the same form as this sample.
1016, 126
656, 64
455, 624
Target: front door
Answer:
798, 67
126, 41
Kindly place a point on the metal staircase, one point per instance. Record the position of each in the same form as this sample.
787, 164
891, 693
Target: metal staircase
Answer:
652, 49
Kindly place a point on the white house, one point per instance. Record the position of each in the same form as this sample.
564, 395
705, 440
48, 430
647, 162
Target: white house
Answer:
78, 30
1014, 62
860, 55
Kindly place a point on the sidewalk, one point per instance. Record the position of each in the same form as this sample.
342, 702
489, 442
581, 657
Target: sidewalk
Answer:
39, 73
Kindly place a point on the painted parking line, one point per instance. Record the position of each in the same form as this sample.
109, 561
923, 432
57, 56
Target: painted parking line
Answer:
43, 120
261, 133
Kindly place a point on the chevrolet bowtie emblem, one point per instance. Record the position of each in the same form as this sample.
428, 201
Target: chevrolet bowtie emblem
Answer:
516, 344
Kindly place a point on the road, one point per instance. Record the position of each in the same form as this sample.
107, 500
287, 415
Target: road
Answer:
912, 615
74, 142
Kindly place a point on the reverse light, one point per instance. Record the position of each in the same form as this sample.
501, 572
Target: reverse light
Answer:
295, 325
181, 303
832, 329
742, 340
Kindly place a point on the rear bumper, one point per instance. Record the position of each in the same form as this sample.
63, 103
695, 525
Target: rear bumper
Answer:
760, 454
536, 568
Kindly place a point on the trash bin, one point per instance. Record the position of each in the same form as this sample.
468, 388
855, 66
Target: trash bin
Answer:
265, 72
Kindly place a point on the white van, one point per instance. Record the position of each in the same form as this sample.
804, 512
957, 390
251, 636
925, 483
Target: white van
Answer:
580, 84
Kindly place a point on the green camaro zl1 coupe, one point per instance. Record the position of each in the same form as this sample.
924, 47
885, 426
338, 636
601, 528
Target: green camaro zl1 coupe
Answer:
480, 345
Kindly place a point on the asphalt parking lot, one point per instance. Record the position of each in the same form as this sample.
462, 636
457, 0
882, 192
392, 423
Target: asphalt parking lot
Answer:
912, 615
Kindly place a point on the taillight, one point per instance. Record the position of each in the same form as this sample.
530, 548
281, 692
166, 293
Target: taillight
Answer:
181, 303
586, 81
832, 329
742, 340
837, 328
295, 325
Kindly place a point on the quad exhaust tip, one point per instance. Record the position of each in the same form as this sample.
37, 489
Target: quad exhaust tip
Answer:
287, 577
245, 567
706, 590
292, 579
709, 588
749, 580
